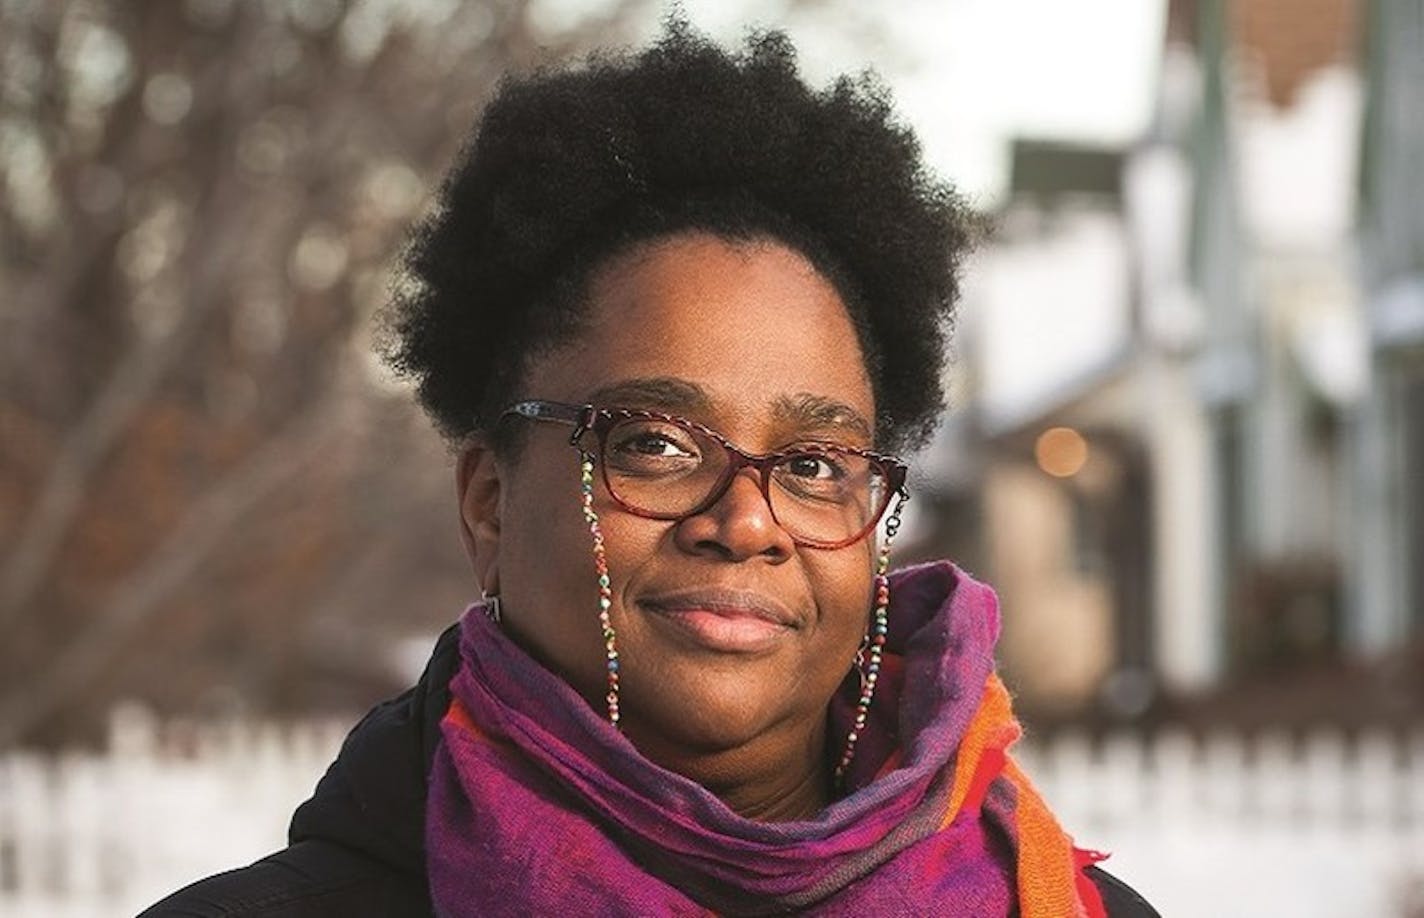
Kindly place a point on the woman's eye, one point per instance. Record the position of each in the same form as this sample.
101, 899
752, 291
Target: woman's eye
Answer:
655, 445
646, 442
818, 467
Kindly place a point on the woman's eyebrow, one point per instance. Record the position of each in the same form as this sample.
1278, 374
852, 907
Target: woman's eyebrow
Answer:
803, 410
664, 393
816, 411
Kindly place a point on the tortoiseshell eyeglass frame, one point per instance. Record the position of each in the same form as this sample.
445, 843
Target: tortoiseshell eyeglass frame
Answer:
599, 421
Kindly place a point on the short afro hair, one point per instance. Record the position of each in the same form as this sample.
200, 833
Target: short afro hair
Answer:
568, 168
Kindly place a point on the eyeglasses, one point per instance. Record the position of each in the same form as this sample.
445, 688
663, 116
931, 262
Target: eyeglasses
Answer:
663, 467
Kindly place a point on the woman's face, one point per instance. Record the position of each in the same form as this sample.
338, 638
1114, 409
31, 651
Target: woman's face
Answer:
730, 636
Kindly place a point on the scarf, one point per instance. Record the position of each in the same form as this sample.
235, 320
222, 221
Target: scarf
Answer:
536, 805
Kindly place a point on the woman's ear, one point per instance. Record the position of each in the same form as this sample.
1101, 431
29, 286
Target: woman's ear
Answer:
477, 482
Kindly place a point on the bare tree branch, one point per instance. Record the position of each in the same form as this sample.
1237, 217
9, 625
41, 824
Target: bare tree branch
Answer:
129, 388
275, 187
137, 600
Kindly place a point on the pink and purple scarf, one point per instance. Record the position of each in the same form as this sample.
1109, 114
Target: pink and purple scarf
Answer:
537, 806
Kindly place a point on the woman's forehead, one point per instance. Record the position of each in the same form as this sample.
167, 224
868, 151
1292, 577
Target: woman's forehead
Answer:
697, 323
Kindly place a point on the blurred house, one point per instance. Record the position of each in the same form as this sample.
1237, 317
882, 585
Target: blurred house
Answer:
1190, 393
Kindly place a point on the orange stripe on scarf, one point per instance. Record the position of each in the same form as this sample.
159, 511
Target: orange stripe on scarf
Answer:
1051, 882
459, 715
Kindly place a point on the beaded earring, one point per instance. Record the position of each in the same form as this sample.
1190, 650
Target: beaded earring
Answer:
605, 591
867, 658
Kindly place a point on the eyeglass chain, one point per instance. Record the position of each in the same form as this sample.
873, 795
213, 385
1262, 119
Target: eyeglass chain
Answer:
872, 646
605, 592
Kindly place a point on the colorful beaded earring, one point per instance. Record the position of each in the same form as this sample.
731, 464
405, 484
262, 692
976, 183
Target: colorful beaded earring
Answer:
867, 658
605, 591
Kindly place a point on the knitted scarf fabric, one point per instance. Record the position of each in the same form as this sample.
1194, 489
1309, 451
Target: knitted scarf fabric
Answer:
537, 806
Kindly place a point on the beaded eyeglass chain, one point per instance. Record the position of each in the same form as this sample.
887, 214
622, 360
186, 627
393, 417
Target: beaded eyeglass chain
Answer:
605, 592
867, 658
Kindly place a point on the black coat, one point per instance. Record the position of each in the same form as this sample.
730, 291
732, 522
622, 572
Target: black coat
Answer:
357, 847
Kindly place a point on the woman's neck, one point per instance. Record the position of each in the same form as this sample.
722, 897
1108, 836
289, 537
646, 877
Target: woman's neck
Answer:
774, 778
798, 800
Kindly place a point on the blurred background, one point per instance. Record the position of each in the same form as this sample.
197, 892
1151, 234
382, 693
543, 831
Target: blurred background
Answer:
1186, 438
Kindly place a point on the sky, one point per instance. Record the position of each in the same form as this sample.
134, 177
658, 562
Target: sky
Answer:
968, 75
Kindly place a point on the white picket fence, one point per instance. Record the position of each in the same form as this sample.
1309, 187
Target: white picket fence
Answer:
85, 835
1230, 826
1261, 825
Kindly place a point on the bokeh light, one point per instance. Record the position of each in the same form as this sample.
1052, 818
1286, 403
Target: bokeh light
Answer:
1061, 452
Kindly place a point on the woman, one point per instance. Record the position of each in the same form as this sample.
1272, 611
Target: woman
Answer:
677, 313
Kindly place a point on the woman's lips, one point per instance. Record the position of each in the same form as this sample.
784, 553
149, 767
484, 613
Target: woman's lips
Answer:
729, 621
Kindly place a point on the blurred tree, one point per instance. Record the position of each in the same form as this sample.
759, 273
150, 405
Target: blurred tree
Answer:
208, 495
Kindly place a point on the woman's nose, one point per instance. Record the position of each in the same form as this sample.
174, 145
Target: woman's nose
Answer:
738, 526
